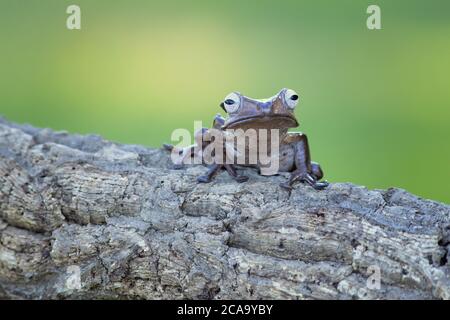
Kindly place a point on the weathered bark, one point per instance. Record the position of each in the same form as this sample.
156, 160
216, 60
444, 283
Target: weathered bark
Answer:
134, 228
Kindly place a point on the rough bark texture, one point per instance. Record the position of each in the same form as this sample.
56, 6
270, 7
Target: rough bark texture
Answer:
117, 218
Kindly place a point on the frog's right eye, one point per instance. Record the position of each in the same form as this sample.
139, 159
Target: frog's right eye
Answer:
231, 103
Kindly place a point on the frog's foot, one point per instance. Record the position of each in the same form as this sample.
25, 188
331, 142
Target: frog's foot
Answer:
310, 179
213, 169
320, 185
232, 172
204, 179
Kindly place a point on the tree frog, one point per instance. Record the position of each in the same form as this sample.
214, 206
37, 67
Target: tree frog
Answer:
275, 114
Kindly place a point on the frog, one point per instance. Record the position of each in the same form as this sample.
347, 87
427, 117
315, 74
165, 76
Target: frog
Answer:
274, 114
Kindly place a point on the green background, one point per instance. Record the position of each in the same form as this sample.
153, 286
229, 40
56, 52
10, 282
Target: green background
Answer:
375, 104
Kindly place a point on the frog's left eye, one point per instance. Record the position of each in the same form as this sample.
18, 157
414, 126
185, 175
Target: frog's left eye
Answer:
291, 98
231, 103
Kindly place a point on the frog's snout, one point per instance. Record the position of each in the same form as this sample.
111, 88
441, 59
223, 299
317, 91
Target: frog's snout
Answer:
265, 107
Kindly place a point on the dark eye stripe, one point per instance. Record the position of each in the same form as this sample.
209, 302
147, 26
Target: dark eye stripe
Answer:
229, 101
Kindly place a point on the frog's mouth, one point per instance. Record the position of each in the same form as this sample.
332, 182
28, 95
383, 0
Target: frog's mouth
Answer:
277, 121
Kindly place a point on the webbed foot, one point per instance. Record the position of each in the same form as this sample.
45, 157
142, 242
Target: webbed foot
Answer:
204, 179
241, 179
213, 169
232, 172
310, 179
320, 185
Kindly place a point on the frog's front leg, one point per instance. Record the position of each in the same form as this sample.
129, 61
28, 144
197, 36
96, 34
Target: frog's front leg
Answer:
304, 169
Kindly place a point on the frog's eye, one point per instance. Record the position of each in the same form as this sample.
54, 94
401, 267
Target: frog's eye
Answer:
291, 98
231, 103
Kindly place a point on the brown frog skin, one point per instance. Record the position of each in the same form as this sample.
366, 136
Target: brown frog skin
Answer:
276, 112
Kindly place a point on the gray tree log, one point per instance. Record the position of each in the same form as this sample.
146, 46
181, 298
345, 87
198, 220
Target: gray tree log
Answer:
83, 218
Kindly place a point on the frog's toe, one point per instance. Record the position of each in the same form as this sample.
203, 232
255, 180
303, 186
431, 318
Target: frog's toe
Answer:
286, 186
310, 179
320, 185
241, 178
203, 179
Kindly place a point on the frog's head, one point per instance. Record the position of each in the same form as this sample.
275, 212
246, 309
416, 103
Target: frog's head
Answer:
276, 112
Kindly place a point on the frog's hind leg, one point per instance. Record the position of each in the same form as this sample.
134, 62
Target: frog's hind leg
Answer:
305, 170
168, 147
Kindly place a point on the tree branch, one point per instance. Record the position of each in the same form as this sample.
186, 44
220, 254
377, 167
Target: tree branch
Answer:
81, 217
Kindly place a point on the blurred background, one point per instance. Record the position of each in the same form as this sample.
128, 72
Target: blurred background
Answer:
375, 104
